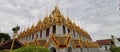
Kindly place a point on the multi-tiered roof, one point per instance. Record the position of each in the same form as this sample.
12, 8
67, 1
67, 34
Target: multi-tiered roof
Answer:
55, 18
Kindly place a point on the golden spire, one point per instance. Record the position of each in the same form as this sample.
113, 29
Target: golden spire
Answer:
27, 29
56, 11
32, 25
46, 12
57, 3
39, 22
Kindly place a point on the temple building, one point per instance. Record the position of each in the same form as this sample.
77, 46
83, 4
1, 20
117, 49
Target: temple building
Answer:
59, 34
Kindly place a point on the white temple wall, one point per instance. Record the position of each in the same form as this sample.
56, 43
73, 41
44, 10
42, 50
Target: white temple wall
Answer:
59, 30
38, 34
85, 50
72, 34
117, 43
77, 50
62, 50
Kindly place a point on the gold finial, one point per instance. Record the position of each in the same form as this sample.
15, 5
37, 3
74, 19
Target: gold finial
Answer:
33, 23
39, 22
47, 12
57, 3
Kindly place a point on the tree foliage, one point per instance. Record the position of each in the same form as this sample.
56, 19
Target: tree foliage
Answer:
5, 36
115, 49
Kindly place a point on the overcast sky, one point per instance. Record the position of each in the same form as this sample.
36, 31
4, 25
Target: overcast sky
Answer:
100, 18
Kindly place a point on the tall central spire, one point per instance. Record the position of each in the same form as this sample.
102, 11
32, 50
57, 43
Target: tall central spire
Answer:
56, 11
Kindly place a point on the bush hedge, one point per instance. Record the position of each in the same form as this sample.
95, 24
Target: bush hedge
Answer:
31, 49
116, 49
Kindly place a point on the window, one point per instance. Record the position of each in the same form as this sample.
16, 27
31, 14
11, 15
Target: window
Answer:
68, 30
37, 36
40, 33
63, 29
54, 29
47, 32
26, 38
74, 33
32, 37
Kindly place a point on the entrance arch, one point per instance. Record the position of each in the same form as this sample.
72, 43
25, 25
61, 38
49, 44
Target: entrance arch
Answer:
69, 49
52, 49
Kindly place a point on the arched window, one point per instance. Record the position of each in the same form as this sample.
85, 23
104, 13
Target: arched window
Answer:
37, 36
47, 32
74, 33
52, 49
32, 36
54, 29
26, 38
63, 29
68, 30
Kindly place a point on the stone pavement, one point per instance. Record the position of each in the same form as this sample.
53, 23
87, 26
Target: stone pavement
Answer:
102, 50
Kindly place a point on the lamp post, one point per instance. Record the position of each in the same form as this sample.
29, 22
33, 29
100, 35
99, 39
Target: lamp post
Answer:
15, 33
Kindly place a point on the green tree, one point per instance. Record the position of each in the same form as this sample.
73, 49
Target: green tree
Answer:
5, 36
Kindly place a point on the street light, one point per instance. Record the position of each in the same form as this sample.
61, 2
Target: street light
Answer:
15, 32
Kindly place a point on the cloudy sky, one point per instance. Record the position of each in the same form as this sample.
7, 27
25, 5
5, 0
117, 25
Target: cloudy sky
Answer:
100, 18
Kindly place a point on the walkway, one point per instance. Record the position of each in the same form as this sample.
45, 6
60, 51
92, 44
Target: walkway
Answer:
102, 50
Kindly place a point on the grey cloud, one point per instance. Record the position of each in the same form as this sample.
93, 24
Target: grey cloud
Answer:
98, 17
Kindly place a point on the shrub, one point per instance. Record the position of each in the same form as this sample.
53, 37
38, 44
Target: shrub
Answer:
116, 49
4, 50
31, 49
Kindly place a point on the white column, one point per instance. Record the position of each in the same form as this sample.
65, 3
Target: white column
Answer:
28, 38
51, 30
75, 34
31, 37
66, 30
38, 34
43, 34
